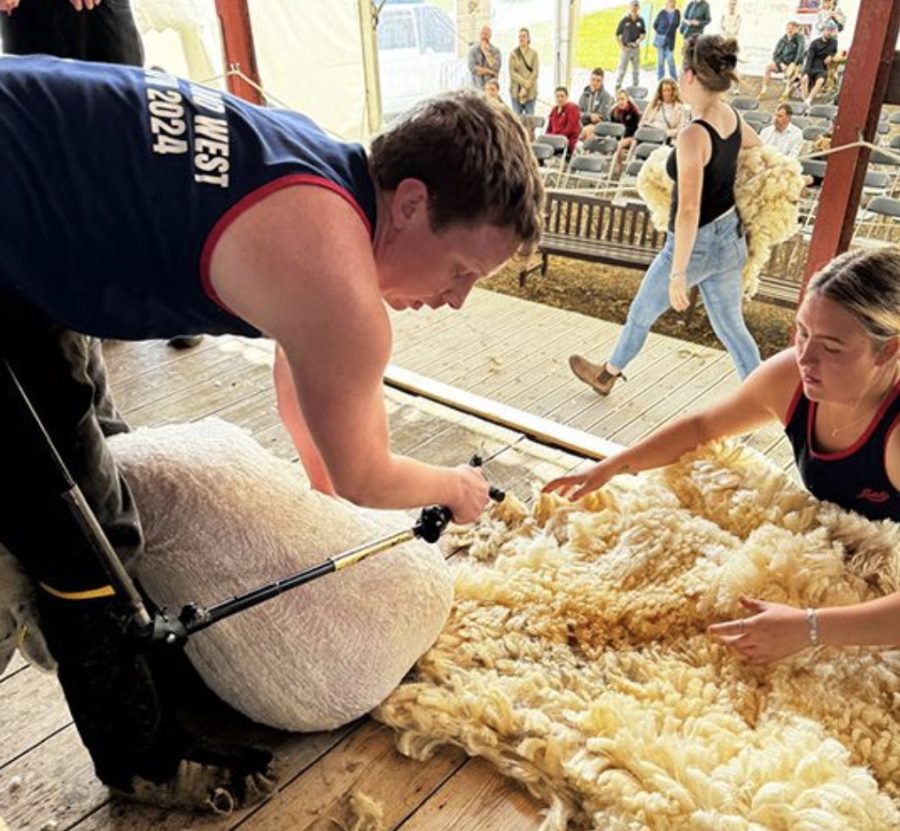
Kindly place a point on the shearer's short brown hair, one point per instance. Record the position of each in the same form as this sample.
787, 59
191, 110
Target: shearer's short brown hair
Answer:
475, 158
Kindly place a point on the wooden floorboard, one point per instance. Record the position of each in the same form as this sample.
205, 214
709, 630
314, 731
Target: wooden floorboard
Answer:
503, 348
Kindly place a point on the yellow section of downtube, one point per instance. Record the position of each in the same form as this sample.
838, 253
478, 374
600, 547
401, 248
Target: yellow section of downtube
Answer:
88, 594
342, 561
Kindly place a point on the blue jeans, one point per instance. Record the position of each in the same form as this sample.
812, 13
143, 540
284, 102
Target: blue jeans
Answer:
523, 107
663, 55
719, 253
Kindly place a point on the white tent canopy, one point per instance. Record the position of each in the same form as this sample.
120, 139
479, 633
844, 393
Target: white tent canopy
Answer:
322, 58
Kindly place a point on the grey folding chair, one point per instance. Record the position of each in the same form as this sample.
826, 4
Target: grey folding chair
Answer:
878, 221
609, 128
654, 135
745, 103
591, 169
813, 133
828, 111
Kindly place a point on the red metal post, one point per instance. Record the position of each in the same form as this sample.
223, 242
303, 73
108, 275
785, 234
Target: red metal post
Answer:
237, 43
862, 93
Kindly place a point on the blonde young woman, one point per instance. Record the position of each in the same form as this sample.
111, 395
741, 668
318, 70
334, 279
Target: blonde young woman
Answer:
666, 111
837, 393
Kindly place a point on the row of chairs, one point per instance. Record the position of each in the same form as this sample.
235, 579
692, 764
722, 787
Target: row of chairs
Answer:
592, 164
749, 105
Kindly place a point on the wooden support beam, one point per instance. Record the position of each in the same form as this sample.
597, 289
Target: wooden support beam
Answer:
542, 430
862, 94
237, 43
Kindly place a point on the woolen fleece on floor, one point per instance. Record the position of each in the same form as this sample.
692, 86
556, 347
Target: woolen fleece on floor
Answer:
576, 659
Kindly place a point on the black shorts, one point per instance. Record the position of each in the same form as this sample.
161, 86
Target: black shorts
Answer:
815, 76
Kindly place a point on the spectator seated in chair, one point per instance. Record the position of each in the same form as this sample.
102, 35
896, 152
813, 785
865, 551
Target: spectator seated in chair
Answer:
627, 114
666, 111
595, 103
820, 55
565, 119
786, 59
785, 137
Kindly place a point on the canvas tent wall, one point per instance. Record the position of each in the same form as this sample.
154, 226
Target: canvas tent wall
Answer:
313, 57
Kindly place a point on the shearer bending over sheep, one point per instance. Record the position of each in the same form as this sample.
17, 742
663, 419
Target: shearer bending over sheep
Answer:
837, 393
206, 215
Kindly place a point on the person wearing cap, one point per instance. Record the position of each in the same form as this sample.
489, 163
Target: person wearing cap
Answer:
815, 71
630, 33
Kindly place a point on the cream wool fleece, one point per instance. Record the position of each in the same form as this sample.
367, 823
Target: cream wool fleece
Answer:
576, 658
766, 191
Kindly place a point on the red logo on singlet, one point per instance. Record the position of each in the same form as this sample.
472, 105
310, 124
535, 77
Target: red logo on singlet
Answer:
871, 495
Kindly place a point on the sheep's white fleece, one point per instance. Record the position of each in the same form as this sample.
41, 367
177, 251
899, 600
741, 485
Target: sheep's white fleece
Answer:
222, 515
576, 658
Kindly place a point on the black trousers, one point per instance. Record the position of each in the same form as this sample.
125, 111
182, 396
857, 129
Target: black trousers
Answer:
53, 27
122, 710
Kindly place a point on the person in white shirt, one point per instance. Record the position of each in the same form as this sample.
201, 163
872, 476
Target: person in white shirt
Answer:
785, 137
666, 111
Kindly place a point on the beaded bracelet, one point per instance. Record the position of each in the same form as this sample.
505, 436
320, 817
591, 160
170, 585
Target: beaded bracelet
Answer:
813, 623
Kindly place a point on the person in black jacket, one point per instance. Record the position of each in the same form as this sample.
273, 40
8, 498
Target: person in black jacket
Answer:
666, 27
787, 58
815, 70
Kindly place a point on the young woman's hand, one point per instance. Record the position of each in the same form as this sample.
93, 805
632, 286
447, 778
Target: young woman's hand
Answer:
772, 632
580, 484
678, 293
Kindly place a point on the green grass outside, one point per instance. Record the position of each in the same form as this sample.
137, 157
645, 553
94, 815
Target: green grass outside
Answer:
596, 43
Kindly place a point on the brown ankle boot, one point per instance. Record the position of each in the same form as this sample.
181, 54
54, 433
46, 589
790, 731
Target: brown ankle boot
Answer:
596, 376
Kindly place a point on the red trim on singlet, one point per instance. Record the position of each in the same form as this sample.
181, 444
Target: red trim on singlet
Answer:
794, 402
251, 199
887, 438
860, 442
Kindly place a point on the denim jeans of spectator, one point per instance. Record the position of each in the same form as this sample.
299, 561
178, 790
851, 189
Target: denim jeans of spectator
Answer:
662, 57
718, 256
523, 107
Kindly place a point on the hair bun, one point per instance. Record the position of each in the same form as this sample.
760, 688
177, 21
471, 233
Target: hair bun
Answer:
729, 61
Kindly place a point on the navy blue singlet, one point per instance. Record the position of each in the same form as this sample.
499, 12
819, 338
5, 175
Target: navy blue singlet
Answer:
854, 478
118, 182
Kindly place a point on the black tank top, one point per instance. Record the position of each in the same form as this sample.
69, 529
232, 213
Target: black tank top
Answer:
854, 478
719, 174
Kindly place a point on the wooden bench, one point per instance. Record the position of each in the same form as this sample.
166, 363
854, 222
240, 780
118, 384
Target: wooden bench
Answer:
597, 229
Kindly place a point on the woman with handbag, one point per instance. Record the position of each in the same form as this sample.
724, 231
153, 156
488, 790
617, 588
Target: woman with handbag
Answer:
523, 73
666, 27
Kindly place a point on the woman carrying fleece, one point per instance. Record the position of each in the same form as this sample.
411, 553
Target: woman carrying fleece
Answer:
705, 246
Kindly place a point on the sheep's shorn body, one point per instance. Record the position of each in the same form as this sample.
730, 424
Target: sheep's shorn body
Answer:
222, 516
576, 659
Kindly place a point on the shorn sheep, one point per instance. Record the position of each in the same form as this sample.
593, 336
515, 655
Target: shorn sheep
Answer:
222, 516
